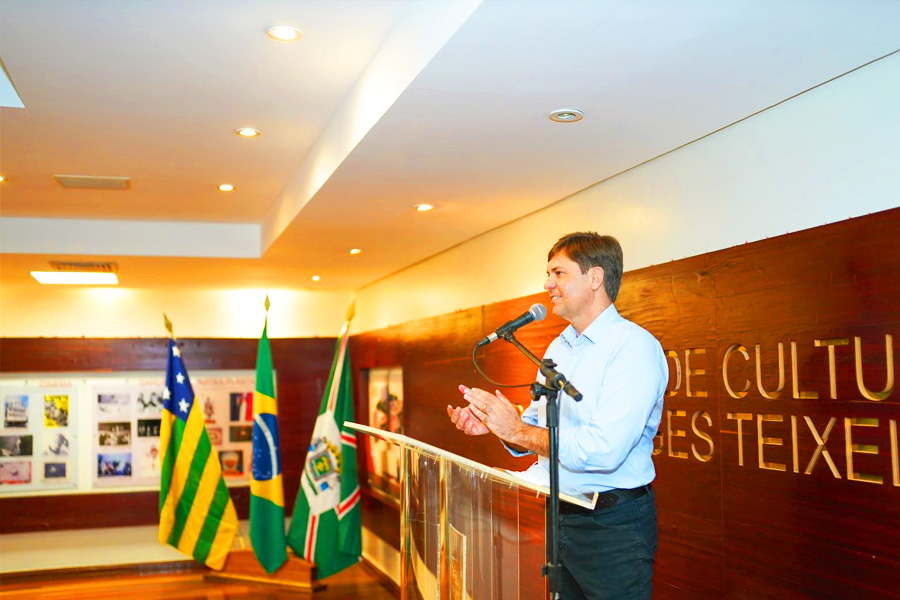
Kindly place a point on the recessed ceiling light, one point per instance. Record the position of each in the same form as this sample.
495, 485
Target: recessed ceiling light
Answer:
284, 33
316, 278
75, 277
423, 207
247, 132
2, 178
226, 187
566, 115
355, 251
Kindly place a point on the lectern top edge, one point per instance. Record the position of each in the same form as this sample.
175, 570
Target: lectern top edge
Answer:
585, 499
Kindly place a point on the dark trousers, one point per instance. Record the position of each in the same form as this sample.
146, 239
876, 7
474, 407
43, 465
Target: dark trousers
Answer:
609, 553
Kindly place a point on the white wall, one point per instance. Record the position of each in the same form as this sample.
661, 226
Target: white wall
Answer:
824, 156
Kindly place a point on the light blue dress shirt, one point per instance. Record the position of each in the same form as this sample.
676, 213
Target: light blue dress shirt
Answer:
606, 440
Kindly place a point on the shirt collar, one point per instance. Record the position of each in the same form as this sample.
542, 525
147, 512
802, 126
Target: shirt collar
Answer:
595, 330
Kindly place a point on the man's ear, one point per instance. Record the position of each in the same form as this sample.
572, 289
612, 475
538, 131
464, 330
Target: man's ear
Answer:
597, 275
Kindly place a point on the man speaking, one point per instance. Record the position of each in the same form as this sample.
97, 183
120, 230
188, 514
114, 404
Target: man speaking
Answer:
606, 440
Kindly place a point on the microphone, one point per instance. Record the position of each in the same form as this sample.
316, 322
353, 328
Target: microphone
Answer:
537, 312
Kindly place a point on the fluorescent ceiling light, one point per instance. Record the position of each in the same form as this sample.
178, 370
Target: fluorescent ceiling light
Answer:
75, 278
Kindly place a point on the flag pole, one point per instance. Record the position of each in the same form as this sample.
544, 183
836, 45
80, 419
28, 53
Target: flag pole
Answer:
240, 534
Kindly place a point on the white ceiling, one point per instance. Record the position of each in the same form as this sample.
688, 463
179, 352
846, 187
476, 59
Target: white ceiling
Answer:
380, 106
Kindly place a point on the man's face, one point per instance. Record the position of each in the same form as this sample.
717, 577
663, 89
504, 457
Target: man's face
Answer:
571, 292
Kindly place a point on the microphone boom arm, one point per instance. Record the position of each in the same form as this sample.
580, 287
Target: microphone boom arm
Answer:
554, 378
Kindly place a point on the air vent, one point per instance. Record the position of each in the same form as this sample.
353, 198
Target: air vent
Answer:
88, 182
84, 267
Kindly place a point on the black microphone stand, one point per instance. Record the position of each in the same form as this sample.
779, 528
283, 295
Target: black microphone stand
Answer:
554, 382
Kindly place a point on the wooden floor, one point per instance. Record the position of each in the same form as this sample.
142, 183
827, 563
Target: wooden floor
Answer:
355, 582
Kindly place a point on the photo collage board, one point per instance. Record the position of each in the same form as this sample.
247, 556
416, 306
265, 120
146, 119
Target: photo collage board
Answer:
91, 432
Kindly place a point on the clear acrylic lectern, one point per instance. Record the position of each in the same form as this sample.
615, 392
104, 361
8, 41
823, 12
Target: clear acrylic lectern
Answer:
468, 531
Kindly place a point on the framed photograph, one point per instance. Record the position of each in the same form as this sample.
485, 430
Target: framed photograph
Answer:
114, 406
56, 444
56, 411
15, 411
240, 433
146, 454
149, 403
241, 406
209, 410
215, 435
16, 445
17, 472
232, 462
148, 427
114, 434
55, 471
385, 412
114, 464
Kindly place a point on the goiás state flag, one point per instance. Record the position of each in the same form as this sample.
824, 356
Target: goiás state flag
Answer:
196, 514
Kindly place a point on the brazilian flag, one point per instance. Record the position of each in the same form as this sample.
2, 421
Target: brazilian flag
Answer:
266, 488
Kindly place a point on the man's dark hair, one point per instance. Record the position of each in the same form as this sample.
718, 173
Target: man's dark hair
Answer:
590, 249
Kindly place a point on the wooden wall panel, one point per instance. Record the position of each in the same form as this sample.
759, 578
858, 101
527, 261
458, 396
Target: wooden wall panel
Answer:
301, 365
729, 528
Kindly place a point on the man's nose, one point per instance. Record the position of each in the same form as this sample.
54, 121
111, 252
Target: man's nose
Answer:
549, 284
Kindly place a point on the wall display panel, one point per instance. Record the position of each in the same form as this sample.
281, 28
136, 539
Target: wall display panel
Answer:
89, 432
301, 368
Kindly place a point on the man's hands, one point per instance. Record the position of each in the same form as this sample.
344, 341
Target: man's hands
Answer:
486, 413
490, 413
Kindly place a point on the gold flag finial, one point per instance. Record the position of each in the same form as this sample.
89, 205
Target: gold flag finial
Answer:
267, 303
351, 310
168, 325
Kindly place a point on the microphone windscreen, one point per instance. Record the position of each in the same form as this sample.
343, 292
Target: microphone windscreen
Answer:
539, 311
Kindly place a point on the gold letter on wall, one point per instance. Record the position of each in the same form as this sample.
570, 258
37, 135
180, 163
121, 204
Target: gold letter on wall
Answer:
852, 448
740, 417
673, 354
832, 376
889, 386
759, 383
731, 392
762, 440
795, 378
675, 432
702, 435
688, 371
821, 450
